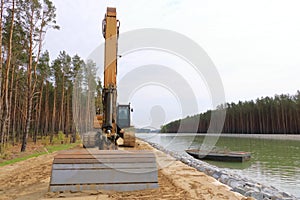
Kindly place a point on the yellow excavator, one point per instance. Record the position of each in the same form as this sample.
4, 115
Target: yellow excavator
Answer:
115, 117
101, 165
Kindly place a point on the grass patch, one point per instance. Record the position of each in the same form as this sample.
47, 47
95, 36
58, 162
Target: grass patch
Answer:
54, 148
50, 149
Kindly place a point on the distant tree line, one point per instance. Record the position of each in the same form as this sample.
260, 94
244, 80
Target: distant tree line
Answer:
36, 94
266, 115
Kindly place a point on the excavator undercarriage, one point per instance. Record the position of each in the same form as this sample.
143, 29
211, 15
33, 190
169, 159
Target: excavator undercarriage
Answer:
100, 165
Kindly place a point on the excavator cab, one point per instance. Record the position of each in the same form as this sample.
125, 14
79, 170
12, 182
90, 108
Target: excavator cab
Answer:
106, 168
123, 118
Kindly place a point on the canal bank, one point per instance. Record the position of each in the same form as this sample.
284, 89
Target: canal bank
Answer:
274, 162
245, 186
176, 180
29, 179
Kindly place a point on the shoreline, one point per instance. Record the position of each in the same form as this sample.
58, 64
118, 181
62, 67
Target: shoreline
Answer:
266, 136
198, 184
295, 137
241, 185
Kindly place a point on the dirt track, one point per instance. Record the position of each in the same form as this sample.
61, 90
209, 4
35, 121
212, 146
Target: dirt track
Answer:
29, 180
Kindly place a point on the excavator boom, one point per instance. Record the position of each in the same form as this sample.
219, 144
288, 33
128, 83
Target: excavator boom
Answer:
110, 33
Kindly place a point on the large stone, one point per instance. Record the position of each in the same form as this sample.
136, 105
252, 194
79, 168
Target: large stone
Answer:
224, 178
240, 190
256, 195
285, 194
216, 175
249, 184
235, 183
267, 195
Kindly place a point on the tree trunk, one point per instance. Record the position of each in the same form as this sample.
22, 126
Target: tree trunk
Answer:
46, 109
28, 118
67, 129
53, 116
1, 61
14, 114
9, 130
61, 121
38, 112
5, 117
29, 85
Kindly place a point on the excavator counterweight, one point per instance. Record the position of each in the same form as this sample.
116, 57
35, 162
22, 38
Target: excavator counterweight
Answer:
100, 165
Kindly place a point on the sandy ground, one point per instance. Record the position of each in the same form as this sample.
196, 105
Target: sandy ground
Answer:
30, 179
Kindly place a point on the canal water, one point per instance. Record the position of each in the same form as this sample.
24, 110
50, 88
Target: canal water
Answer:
273, 162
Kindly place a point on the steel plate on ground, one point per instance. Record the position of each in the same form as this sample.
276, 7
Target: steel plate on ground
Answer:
118, 170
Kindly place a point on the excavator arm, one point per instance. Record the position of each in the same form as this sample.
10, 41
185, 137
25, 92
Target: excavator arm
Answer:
115, 119
110, 32
111, 111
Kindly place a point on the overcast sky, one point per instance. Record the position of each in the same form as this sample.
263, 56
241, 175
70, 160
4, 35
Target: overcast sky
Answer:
255, 45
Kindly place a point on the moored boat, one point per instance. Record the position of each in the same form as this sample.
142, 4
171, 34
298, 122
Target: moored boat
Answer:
226, 156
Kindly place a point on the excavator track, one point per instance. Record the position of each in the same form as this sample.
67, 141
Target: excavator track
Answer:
118, 170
